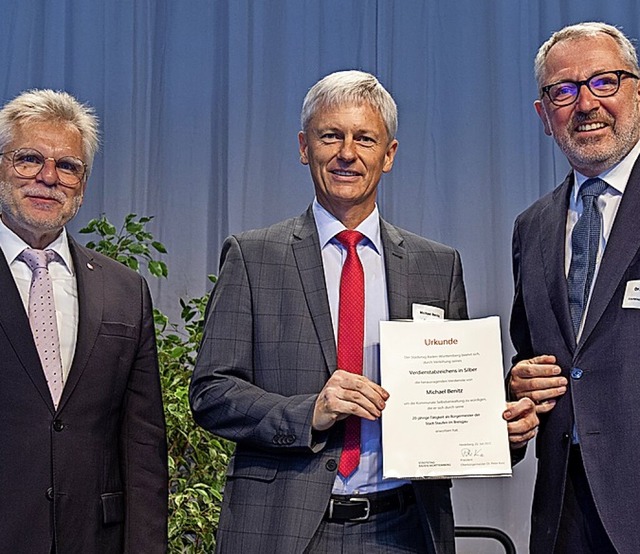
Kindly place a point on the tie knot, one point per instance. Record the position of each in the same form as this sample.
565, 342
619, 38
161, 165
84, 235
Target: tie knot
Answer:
592, 187
37, 258
349, 238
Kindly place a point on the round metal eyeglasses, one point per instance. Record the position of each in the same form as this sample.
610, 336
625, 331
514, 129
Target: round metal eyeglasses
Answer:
28, 162
601, 85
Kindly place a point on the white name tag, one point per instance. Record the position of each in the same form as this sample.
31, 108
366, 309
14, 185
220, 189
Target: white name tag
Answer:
632, 295
420, 312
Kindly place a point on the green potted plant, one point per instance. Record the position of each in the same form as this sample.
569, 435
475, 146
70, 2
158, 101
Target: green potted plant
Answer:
197, 459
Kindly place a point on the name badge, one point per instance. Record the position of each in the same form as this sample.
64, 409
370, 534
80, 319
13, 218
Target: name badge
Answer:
420, 312
632, 295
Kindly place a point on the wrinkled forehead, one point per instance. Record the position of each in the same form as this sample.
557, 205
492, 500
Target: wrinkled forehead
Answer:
361, 113
328, 105
580, 57
59, 136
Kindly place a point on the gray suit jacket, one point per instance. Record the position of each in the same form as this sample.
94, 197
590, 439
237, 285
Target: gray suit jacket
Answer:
268, 349
91, 475
603, 369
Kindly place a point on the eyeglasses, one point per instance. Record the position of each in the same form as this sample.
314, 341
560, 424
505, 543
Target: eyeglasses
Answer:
600, 85
28, 162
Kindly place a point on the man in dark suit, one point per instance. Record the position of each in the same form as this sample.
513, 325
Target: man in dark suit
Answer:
576, 315
268, 375
83, 449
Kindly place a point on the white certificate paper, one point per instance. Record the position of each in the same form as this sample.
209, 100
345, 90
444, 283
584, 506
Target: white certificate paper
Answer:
444, 414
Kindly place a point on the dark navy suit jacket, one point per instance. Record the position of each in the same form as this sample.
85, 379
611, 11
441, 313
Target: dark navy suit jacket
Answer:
603, 369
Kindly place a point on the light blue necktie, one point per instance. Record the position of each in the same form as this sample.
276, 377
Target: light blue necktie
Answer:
585, 240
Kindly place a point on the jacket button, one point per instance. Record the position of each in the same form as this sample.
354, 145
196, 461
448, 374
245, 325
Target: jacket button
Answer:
291, 439
58, 425
576, 373
331, 465
49, 493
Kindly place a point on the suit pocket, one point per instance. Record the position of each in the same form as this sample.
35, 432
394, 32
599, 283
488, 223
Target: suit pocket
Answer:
253, 466
112, 507
117, 329
434, 302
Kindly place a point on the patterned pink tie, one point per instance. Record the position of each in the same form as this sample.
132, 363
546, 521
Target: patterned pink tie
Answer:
42, 317
351, 339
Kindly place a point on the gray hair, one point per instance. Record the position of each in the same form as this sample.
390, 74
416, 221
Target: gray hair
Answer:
586, 29
44, 105
350, 88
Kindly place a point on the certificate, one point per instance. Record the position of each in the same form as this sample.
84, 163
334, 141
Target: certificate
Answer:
444, 413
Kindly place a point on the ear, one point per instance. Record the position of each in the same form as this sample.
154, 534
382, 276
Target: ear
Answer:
390, 156
542, 114
302, 141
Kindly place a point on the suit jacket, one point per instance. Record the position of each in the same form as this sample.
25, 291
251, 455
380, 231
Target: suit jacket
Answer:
603, 369
268, 349
91, 475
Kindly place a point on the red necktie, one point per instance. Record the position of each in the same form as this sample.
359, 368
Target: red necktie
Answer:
351, 339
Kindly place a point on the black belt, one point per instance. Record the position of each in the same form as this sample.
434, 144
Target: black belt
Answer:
361, 507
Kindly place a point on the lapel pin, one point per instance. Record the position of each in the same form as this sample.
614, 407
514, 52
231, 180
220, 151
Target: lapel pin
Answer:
89, 266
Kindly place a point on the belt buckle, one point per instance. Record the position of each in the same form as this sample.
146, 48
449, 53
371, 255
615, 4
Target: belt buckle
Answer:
367, 508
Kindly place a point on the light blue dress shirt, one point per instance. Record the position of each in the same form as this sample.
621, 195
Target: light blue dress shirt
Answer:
608, 203
368, 477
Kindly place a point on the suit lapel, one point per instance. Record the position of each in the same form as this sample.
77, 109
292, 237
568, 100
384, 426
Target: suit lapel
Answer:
14, 321
89, 278
621, 248
306, 252
552, 223
395, 270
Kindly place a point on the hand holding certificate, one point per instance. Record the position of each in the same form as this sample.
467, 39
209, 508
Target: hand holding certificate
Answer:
444, 414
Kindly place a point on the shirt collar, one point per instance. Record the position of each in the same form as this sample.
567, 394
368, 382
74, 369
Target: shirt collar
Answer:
616, 177
329, 226
12, 245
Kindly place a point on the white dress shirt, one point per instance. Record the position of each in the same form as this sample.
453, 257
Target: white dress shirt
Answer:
368, 477
65, 290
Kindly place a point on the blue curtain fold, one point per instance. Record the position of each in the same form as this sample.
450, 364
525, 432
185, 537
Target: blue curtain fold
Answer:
200, 99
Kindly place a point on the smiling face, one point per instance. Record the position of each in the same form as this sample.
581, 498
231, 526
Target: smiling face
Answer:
347, 149
37, 208
594, 133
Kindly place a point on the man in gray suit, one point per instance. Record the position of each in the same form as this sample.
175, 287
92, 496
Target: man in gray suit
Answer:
576, 312
267, 375
83, 459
